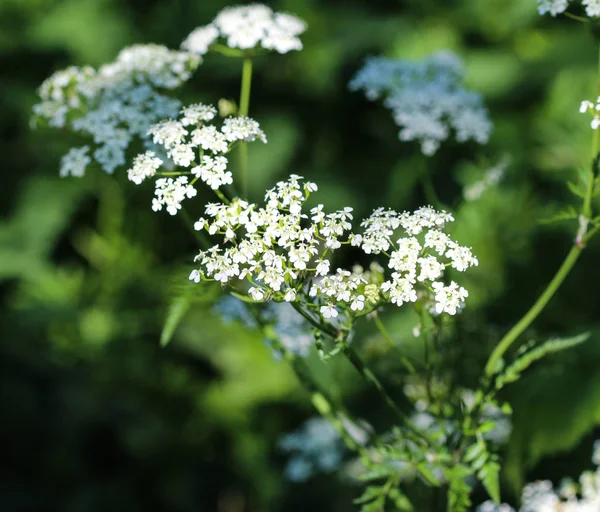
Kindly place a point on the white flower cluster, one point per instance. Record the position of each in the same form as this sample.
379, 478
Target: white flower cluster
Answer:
118, 102
247, 27
278, 249
75, 162
420, 255
556, 7
541, 496
426, 98
589, 107
196, 146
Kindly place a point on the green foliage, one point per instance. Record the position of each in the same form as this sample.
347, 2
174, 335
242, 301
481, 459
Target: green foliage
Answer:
529, 354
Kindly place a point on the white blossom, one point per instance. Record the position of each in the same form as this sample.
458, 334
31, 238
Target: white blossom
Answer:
448, 299
169, 193
75, 162
247, 27
552, 7
197, 113
213, 171
145, 166
117, 103
426, 98
592, 8
242, 128
276, 246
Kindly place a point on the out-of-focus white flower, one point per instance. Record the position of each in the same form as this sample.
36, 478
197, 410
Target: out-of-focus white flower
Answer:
118, 102
247, 27
592, 8
426, 98
552, 7
75, 162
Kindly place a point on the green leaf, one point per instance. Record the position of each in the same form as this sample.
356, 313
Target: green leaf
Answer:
514, 371
490, 478
177, 310
567, 214
459, 491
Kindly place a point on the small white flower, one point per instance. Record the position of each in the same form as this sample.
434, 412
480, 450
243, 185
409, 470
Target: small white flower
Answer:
197, 113
200, 39
144, 166
75, 162
257, 293
358, 303
329, 311
290, 295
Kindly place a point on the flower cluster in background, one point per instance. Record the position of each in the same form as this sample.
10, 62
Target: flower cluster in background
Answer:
593, 109
426, 98
284, 253
556, 7
571, 496
314, 447
197, 148
115, 104
247, 27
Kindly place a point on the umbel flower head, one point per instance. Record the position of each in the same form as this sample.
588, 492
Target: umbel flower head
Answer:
284, 253
426, 98
116, 103
247, 27
194, 149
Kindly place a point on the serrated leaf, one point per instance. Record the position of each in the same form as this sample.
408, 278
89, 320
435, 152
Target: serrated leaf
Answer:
514, 370
490, 478
568, 214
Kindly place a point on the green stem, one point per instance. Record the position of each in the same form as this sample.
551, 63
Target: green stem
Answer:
246, 84
539, 305
243, 111
370, 378
535, 310
576, 18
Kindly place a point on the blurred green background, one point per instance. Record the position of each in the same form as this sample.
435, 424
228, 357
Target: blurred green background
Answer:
96, 416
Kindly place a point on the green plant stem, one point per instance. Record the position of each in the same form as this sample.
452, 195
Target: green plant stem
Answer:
324, 404
582, 237
535, 310
243, 111
364, 371
371, 379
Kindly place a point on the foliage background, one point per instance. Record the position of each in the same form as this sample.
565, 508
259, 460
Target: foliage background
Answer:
97, 416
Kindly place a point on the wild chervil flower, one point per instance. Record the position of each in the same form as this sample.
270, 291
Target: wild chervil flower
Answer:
247, 27
116, 103
426, 98
196, 150
75, 162
285, 253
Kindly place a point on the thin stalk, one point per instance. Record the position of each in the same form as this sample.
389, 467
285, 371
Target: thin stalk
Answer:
243, 111
535, 310
370, 378
570, 260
